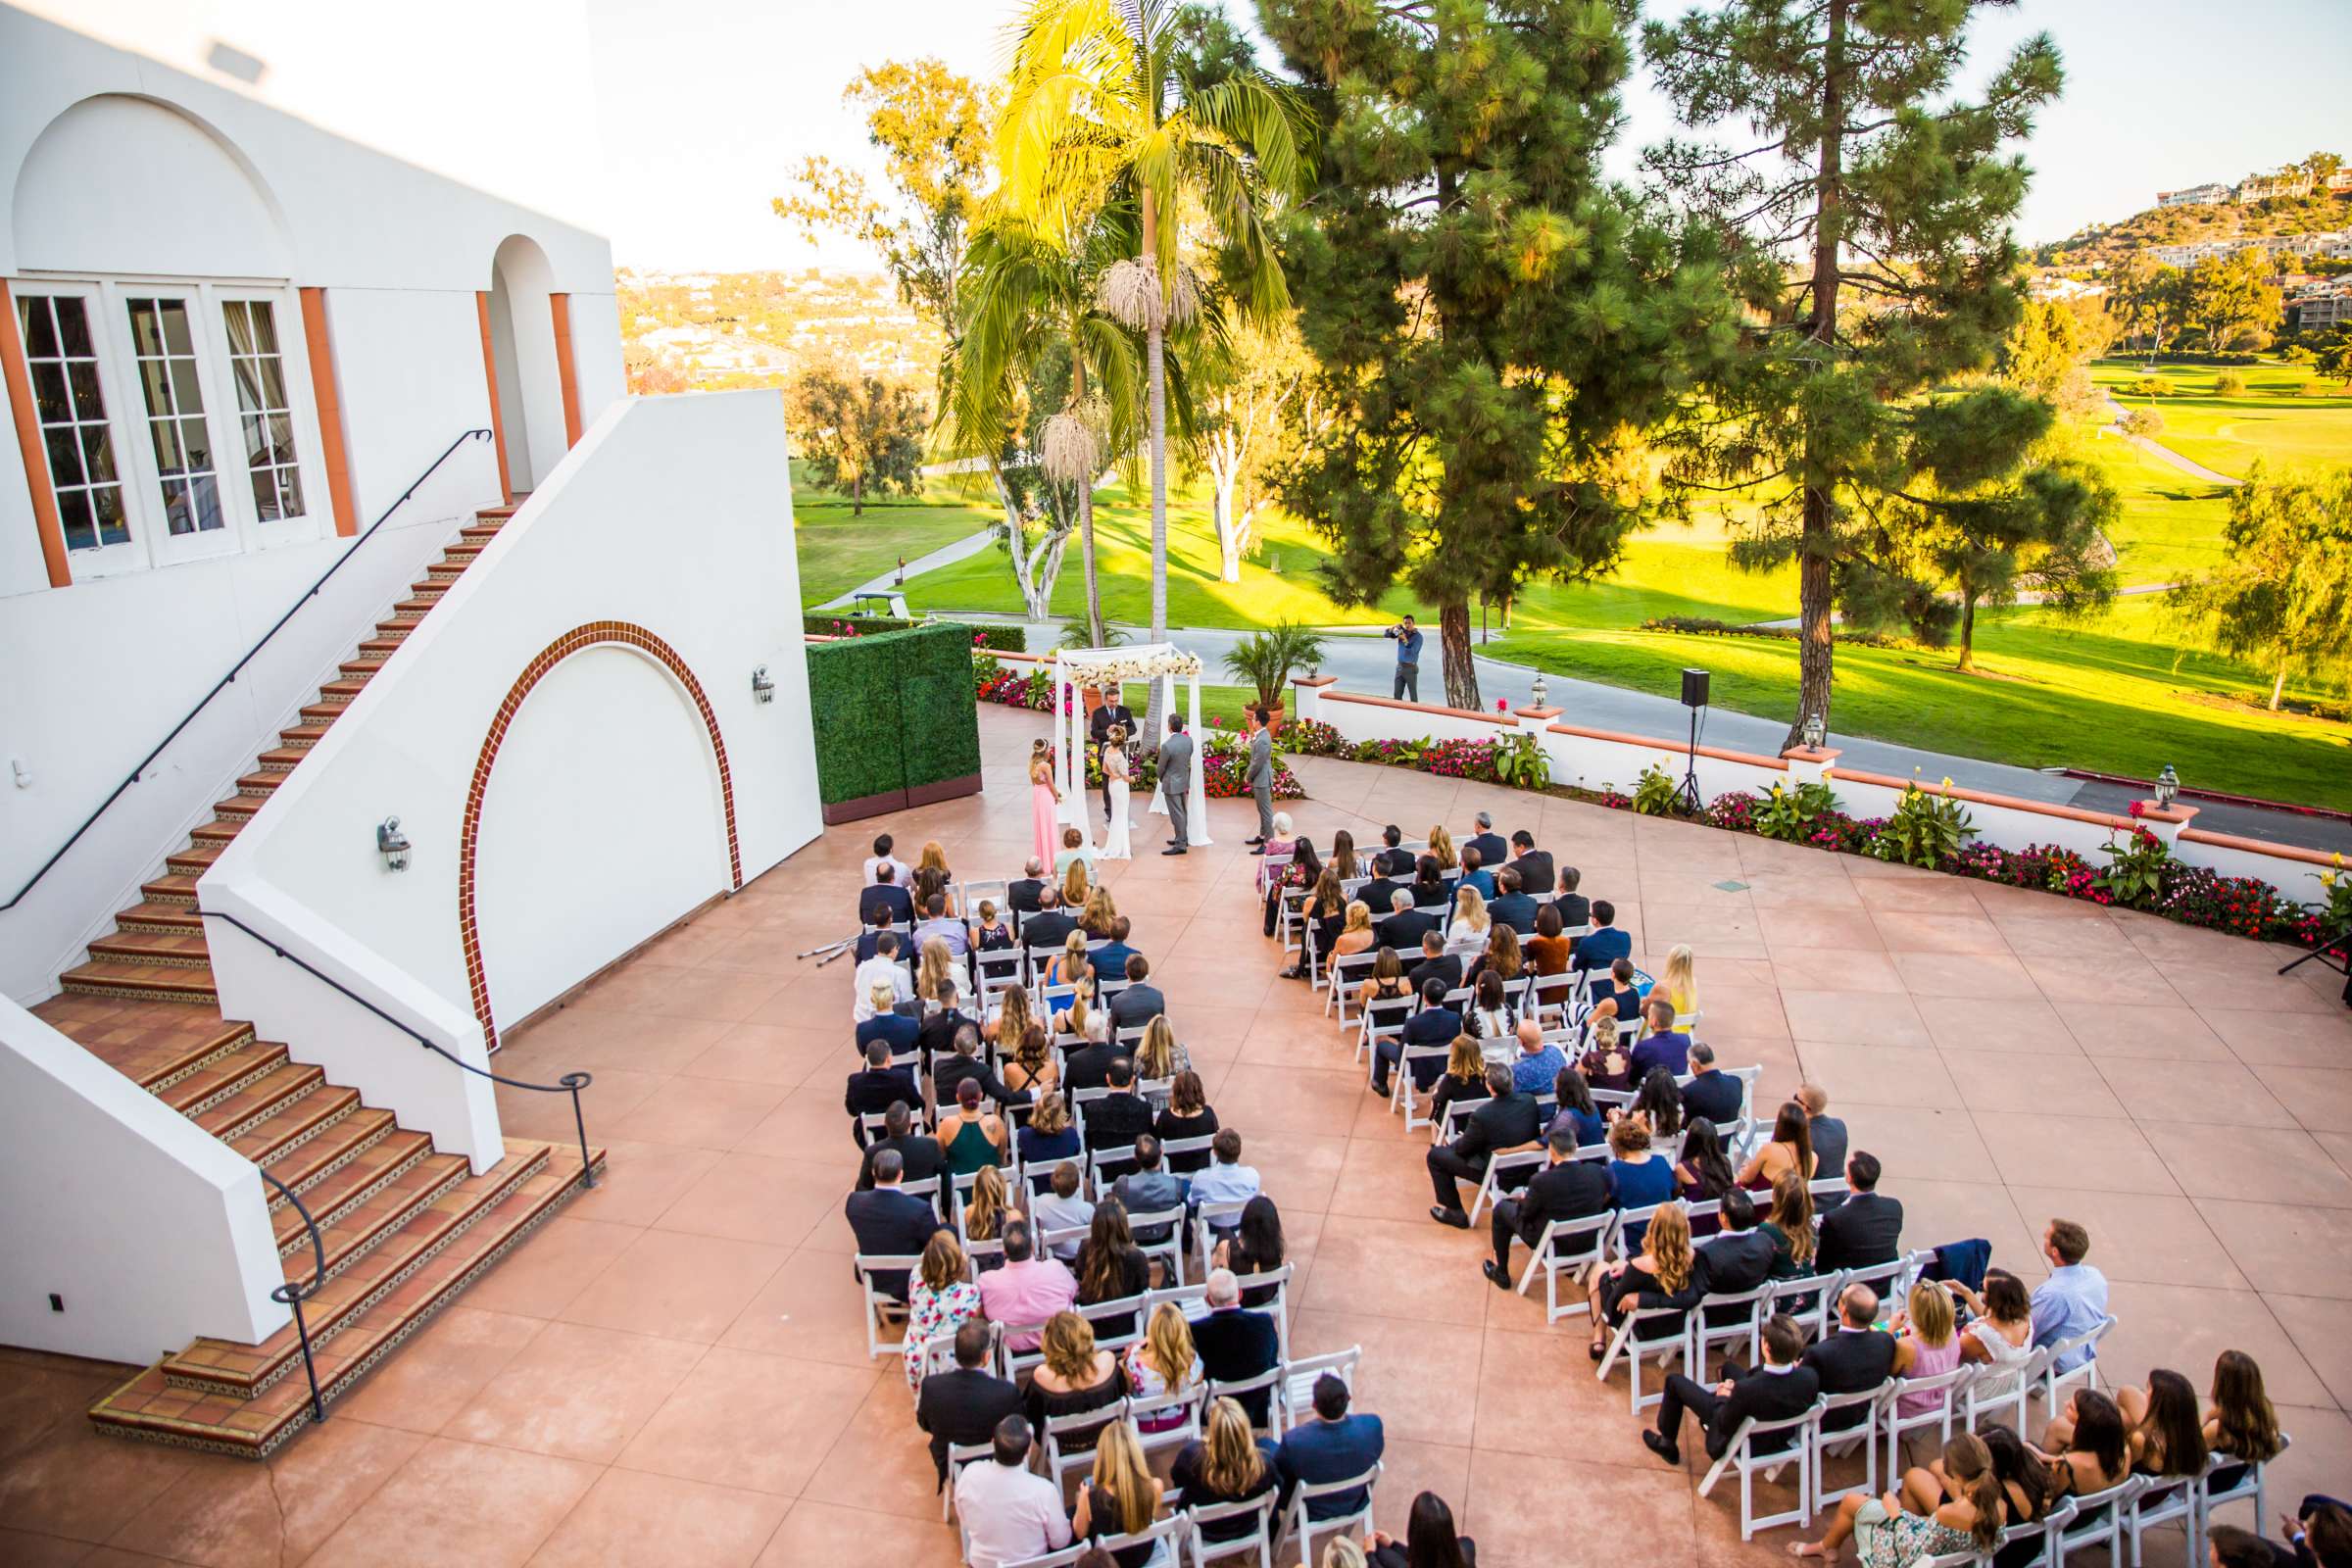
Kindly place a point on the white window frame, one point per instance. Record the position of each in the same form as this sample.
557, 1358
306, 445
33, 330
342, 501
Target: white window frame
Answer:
101, 561
152, 544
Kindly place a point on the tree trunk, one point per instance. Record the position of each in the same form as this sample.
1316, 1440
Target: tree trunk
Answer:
1967, 631
1157, 386
2277, 687
1224, 473
858, 495
1815, 648
1461, 666
1086, 540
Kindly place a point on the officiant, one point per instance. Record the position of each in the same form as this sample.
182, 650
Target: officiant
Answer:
1113, 712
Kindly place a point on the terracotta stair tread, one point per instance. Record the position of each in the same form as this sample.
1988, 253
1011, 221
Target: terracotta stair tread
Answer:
295, 1122
140, 980
322, 713
171, 889
316, 1158
347, 688
265, 780
371, 1301
376, 1161
152, 947
374, 1219
395, 627
282, 1086
463, 549
415, 606
195, 859
283, 758
240, 804
153, 1043
219, 831
435, 586
307, 734
223, 1076
385, 645
150, 913
361, 668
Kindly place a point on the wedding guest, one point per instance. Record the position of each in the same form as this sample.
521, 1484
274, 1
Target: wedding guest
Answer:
1711, 1091
1512, 909
1791, 1227
1256, 1248
1429, 1540
1060, 1207
1575, 908
1012, 1020
1110, 1266
1436, 963
1664, 1264
1791, 1150
938, 926
1604, 944
2072, 1299
1164, 1362
1867, 1228
1679, 984
1566, 1189
2000, 1334
1185, 1116
1343, 857
1074, 851
1470, 923
1704, 1173
1548, 948
1504, 956
1113, 956
1049, 1134
1008, 1514
1227, 1463
1326, 907
1138, 1002
1077, 878
1032, 1069
2240, 1423
1225, 1179
1464, 1080
1534, 865
1615, 996
883, 968
1664, 1046
1304, 870
940, 1300
919, 1155
881, 858
961, 1405
1828, 1132
885, 902
1120, 1499
1075, 1376
1100, 917
877, 1088
1442, 850
992, 934
1158, 1058
1357, 936
986, 1214
974, 1139
1927, 1345
1387, 982
1578, 1114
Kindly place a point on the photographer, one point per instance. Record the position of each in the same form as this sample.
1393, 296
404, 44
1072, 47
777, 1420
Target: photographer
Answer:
1408, 638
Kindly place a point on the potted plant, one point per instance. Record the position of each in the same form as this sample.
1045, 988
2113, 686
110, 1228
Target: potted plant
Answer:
1267, 660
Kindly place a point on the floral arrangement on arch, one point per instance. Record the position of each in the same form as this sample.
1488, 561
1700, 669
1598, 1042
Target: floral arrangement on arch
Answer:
1132, 666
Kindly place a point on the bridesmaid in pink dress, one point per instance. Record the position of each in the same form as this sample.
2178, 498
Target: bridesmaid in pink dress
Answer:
1043, 799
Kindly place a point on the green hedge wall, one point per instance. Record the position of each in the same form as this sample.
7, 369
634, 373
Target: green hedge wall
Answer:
1003, 639
893, 712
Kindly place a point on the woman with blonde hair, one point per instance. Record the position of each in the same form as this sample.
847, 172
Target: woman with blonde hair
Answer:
1358, 932
1076, 886
1067, 964
1163, 1361
940, 1300
1664, 1265
1471, 922
985, 1214
1075, 1376
1227, 1463
931, 874
1679, 984
939, 981
1927, 1344
1082, 1018
1013, 1017
1440, 845
1100, 913
1464, 1079
1121, 1498
1158, 1059
1050, 1135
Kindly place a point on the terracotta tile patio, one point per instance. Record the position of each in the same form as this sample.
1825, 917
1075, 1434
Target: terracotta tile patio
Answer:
673, 1370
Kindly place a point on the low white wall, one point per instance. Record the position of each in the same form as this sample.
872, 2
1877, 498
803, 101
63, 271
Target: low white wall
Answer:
100, 671
149, 1230
673, 514
1598, 759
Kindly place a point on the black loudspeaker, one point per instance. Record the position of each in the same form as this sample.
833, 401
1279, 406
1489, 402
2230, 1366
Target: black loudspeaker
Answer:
1694, 688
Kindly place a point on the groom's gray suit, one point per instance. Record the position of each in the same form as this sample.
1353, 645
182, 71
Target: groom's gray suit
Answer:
1261, 778
1176, 784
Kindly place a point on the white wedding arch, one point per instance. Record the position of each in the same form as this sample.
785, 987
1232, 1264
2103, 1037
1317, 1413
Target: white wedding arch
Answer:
1164, 663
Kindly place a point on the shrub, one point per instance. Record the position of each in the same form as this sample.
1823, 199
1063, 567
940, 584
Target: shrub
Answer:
1006, 639
1709, 626
1734, 811
1788, 815
1521, 761
2153, 386
1313, 737
2136, 869
1266, 659
2142, 422
2229, 384
1654, 790
1925, 830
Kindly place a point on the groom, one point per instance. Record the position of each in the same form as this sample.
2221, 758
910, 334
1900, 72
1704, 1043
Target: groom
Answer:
1176, 781
1113, 713
1261, 776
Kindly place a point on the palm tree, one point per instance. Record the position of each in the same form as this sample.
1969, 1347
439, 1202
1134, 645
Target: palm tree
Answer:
1096, 106
1024, 291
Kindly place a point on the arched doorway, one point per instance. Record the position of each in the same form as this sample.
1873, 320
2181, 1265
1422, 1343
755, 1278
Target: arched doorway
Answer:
522, 347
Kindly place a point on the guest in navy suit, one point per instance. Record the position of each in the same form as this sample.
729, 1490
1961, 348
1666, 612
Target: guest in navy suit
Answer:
890, 1223
1333, 1446
1604, 944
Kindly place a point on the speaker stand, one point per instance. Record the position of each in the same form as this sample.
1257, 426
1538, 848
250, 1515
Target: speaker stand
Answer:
1686, 798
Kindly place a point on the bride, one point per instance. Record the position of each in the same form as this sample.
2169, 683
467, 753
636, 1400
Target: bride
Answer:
1114, 773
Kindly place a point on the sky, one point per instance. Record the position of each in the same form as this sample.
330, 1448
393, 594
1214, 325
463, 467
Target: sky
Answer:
706, 113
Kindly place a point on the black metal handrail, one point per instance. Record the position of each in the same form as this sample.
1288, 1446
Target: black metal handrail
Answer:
224, 683
293, 1294
570, 1083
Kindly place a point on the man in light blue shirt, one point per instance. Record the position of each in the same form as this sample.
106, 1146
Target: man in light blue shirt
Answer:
1538, 1065
2073, 1301
1408, 638
1226, 1180
936, 923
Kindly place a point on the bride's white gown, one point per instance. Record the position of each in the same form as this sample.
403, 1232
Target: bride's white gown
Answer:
1115, 843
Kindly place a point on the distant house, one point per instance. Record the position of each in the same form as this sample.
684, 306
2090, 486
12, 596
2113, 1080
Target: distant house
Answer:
2321, 306
2206, 195
2286, 182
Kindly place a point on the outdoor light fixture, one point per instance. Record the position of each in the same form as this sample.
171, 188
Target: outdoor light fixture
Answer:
1539, 690
2168, 785
763, 690
392, 844
1815, 731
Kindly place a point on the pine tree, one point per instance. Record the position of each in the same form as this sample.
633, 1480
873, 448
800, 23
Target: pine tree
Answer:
1880, 265
1494, 324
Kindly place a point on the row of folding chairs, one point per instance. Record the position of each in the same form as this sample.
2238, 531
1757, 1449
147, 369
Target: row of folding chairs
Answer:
1182, 1530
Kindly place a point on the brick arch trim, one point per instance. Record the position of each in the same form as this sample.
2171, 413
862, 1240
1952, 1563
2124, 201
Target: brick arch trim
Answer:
593, 634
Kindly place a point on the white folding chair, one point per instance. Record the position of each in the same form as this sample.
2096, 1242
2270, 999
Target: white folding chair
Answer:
1070, 1439
1998, 1389
1382, 1020
2055, 1383
879, 1302
1404, 1093
1118, 1322
961, 1454
1012, 1362
1169, 1246
1551, 995
1270, 1379
1832, 1440
1804, 1301
1500, 1164
1166, 1534
1208, 1219
1949, 1388
1300, 1525
2253, 1484
1722, 1320
1258, 1542
2166, 1500
1346, 973
2098, 1520
2045, 1530
1794, 1446
1636, 1347
1566, 1246
1297, 1389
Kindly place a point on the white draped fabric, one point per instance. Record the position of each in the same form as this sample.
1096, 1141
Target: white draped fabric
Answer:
1164, 663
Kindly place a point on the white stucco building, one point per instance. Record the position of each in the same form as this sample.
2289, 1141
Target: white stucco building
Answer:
322, 504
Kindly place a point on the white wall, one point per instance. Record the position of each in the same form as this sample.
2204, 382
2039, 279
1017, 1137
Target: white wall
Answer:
672, 513
97, 674
605, 805
151, 1230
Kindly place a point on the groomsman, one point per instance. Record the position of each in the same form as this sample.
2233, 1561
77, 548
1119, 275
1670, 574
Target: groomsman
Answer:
1261, 776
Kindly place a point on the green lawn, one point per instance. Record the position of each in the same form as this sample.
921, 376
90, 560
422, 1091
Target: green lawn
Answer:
2171, 527
2107, 696
2274, 421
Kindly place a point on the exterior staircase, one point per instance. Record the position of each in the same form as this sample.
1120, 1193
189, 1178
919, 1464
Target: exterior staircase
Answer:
404, 1228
